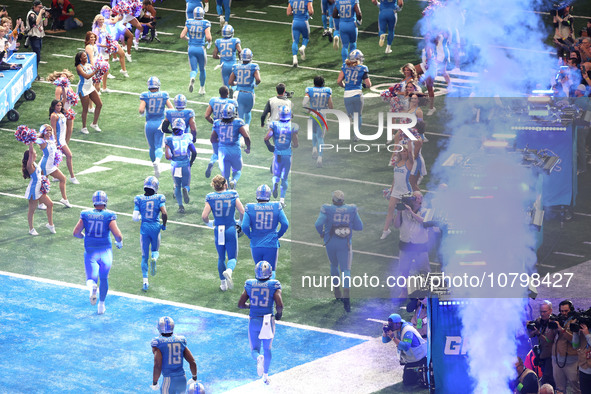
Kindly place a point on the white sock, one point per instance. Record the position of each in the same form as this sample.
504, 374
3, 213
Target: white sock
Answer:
282, 200
145, 280
229, 271
90, 284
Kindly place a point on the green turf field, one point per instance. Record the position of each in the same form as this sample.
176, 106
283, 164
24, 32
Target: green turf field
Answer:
187, 267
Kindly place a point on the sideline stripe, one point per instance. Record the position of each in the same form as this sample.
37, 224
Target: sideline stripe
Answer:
568, 254
188, 306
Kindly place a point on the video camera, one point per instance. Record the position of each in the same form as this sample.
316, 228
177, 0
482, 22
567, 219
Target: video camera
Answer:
407, 199
388, 327
289, 94
582, 317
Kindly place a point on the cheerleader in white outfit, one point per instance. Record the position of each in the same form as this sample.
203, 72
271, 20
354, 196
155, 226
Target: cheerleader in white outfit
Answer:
86, 90
37, 190
402, 162
419, 170
58, 124
52, 156
67, 95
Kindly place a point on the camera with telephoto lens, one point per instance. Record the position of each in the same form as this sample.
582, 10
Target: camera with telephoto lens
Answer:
405, 200
289, 94
582, 317
532, 325
388, 327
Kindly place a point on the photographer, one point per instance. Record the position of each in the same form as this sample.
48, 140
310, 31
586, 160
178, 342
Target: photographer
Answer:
526, 382
411, 347
62, 13
36, 20
274, 103
584, 351
543, 350
564, 356
414, 237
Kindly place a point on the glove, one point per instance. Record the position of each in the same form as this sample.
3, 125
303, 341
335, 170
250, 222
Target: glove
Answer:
208, 44
119, 244
278, 315
247, 150
209, 224
162, 227
155, 387
358, 22
270, 147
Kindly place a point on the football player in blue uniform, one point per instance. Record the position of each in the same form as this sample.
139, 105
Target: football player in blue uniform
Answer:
318, 98
260, 225
223, 204
226, 49
169, 351
227, 131
180, 112
327, 19
148, 208
335, 224
387, 19
354, 76
223, 9
192, 4
301, 11
153, 103
263, 292
197, 31
213, 112
178, 147
98, 224
285, 136
245, 76
349, 15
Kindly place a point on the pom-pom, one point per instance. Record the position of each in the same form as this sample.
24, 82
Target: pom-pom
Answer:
45, 184
102, 67
58, 158
25, 134
71, 96
62, 81
111, 44
70, 114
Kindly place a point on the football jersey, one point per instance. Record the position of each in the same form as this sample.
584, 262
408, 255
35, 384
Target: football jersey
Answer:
263, 220
173, 354
149, 208
282, 133
338, 216
96, 227
228, 133
319, 97
184, 114
300, 9
354, 76
244, 74
155, 104
217, 104
227, 49
261, 296
196, 31
179, 148
389, 5
346, 9
223, 206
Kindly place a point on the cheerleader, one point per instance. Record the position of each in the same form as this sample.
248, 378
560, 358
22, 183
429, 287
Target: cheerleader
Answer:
67, 95
58, 124
52, 156
86, 91
402, 162
37, 190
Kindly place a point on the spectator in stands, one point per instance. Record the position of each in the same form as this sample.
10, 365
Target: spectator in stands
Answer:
545, 336
527, 380
36, 21
12, 34
62, 13
3, 51
564, 356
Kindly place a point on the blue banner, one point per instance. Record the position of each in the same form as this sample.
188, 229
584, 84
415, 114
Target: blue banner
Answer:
14, 83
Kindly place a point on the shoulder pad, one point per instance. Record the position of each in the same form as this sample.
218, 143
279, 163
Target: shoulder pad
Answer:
155, 342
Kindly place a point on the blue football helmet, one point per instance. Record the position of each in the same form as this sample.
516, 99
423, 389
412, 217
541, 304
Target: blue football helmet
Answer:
179, 125
356, 55
165, 325
198, 13
284, 113
99, 198
180, 101
152, 182
229, 111
153, 83
246, 55
227, 31
263, 193
263, 270
195, 388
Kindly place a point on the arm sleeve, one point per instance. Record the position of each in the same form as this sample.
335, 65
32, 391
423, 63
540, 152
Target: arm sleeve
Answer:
386, 339
320, 223
246, 224
284, 224
266, 111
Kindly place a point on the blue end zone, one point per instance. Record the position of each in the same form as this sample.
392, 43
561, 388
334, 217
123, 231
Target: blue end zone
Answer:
52, 336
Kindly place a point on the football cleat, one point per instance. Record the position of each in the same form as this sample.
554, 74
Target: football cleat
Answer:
284, 113
151, 182
180, 101
145, 287
165, 325
388, 49
227, 31
246, 55
101, 308
302, 52
229, 111
153, 83
191, 83
223, 285
335, 42
356, 55
186, 198
263, 270
179, 124
208, 170
228, 275
93, 294
198, 13
181, 209
99, 198
202, 90
263, 193
275, 189
382, 39
232, 184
